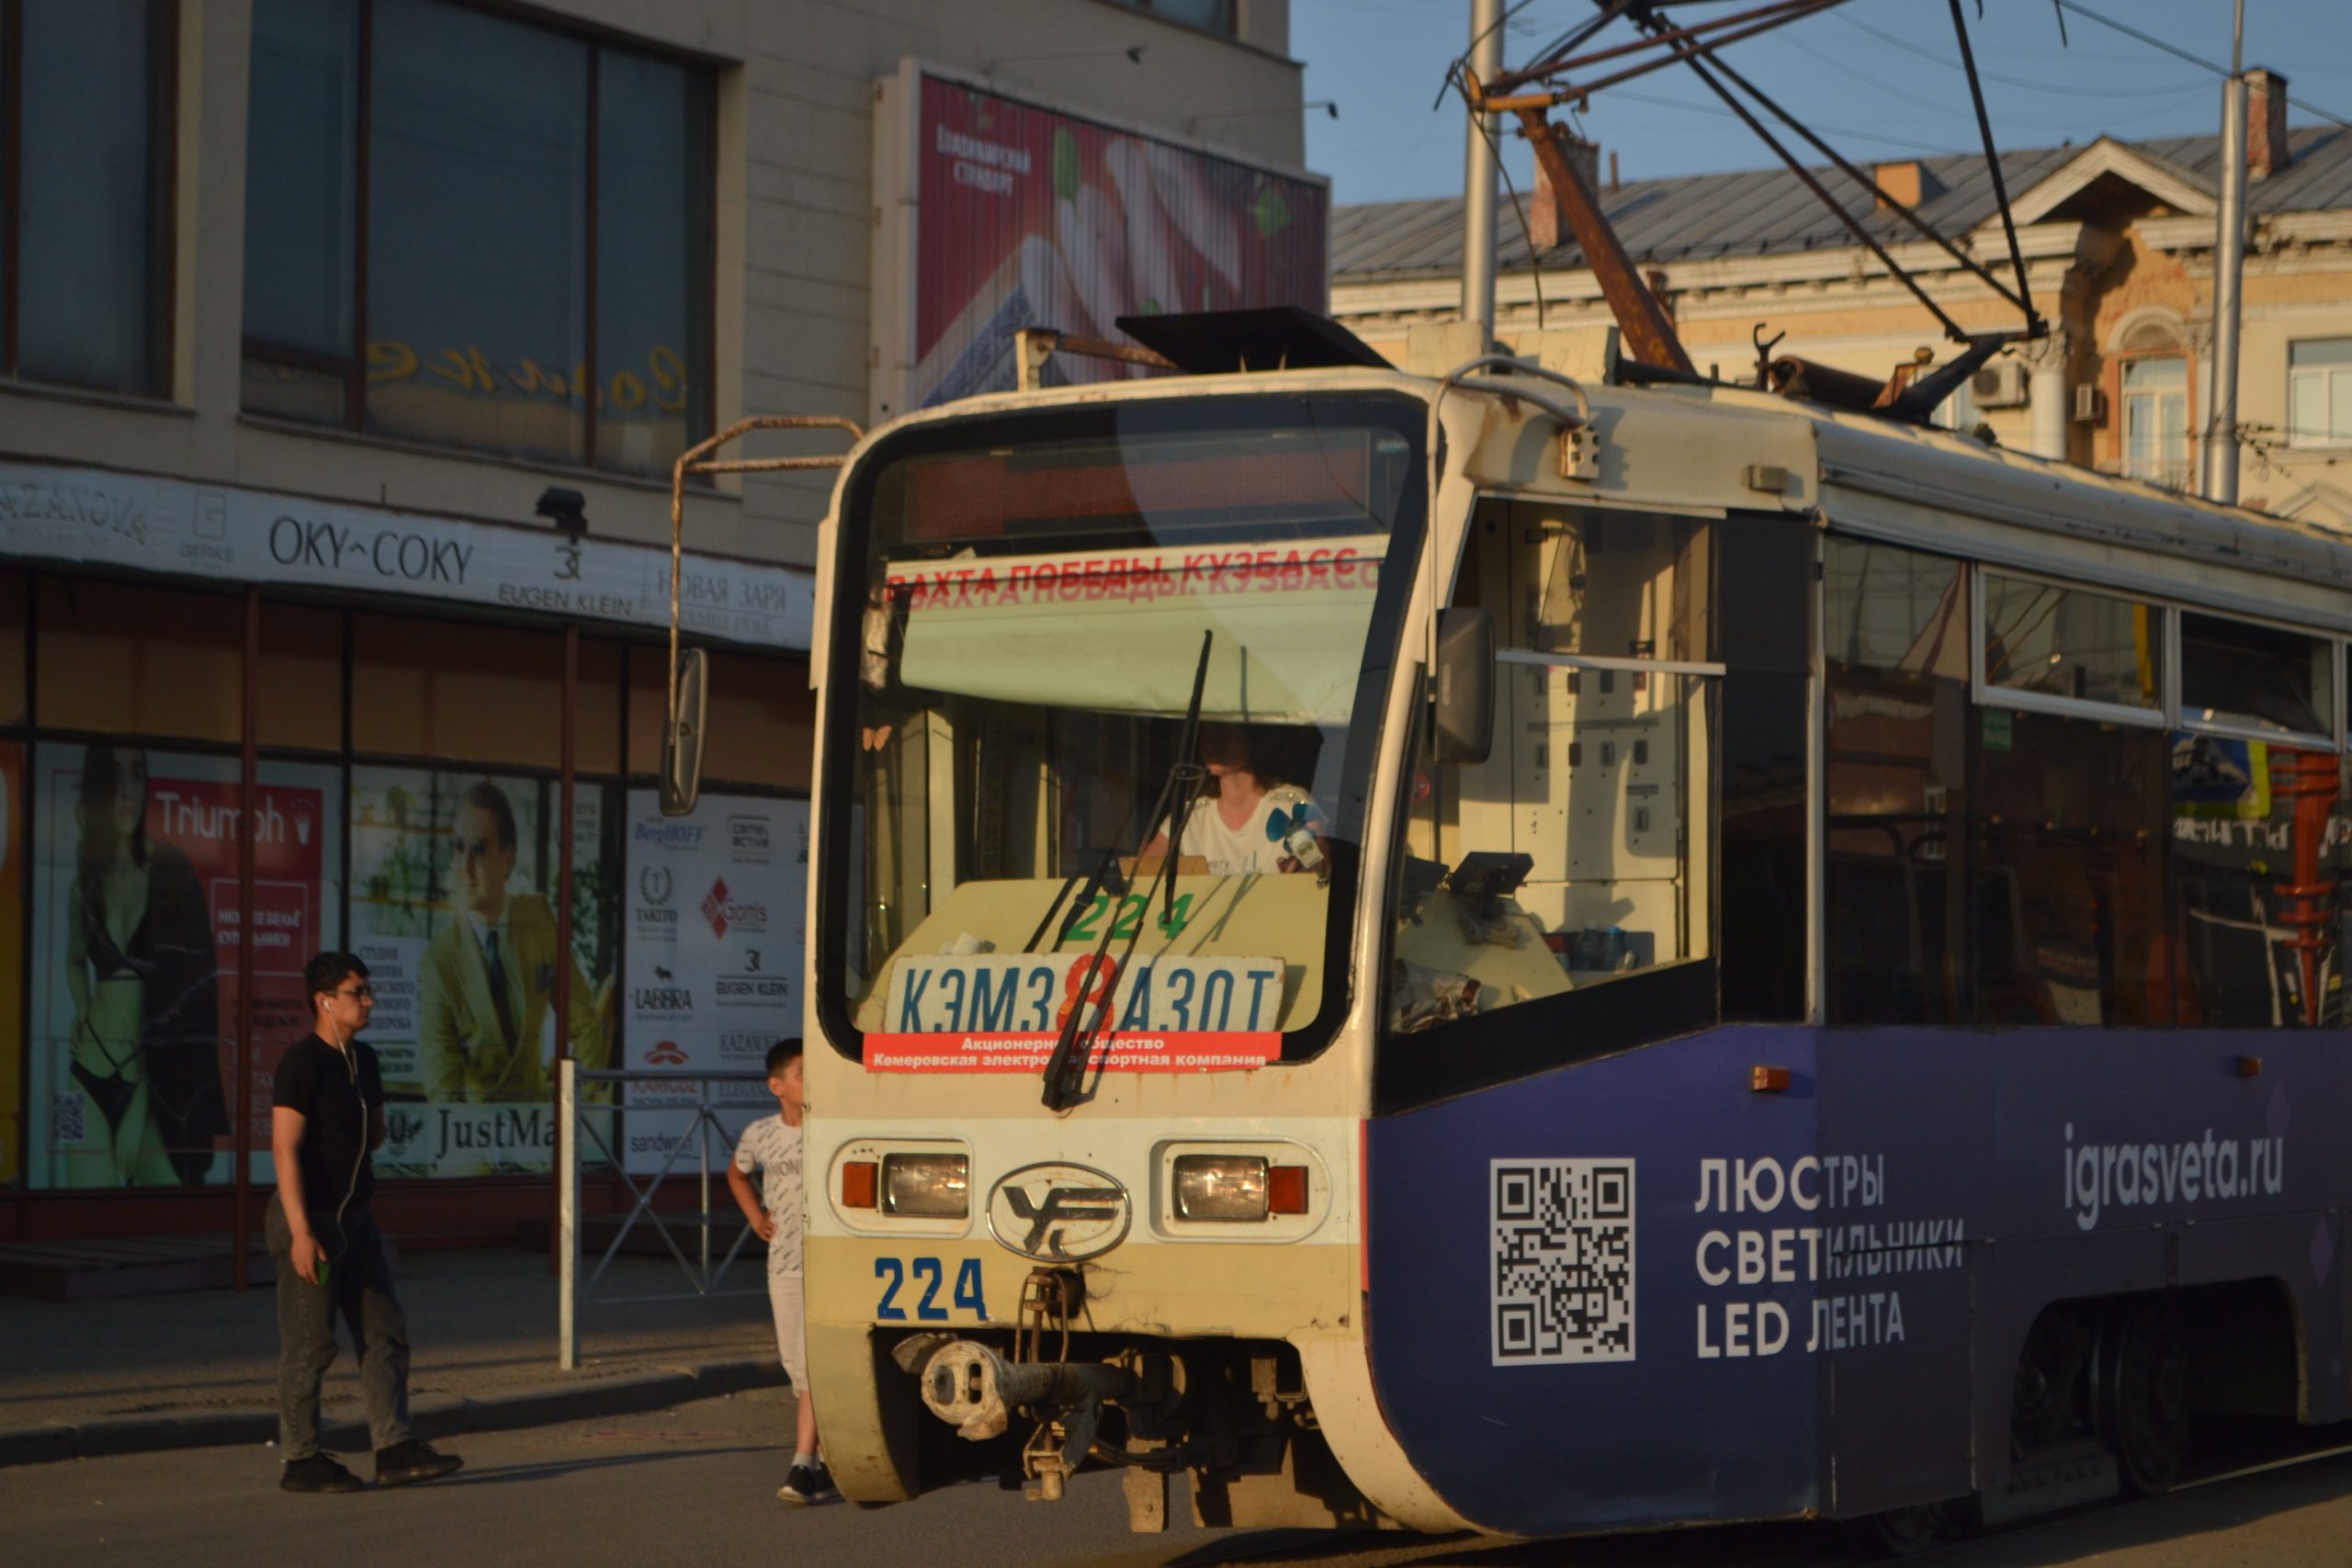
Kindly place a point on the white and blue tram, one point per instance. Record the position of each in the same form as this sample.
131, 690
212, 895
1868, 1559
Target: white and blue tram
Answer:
1795, 968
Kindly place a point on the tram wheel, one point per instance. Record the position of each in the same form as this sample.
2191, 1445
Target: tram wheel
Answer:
1901, 1532
2143, 1395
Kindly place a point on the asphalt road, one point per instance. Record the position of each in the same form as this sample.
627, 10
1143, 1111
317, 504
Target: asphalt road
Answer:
696, 1485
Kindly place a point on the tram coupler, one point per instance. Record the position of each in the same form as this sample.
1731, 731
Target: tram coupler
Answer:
975, 1390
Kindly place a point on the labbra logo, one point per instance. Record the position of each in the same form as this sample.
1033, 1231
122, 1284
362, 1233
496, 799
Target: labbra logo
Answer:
662, 998
1060, 1213
725, 911
665, 1053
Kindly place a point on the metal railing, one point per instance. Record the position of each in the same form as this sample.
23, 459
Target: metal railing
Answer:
579, 1124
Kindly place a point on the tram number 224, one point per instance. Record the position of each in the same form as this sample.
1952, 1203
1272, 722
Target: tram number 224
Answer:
899, 1303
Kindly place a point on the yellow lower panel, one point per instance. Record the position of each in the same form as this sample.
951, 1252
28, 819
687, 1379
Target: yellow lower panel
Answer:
858, 1285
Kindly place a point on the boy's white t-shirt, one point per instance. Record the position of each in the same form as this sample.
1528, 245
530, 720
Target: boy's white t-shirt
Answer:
773, 1149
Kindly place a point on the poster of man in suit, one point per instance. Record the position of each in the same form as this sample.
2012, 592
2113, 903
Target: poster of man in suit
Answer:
454, 887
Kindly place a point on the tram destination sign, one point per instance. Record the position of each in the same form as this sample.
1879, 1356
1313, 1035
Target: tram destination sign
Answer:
1002, 1013
149, 523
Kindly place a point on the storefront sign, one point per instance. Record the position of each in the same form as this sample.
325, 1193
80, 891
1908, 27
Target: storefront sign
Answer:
717, 909
152, 524
998, 215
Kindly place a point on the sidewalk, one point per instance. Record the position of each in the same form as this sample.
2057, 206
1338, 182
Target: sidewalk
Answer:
201, 1367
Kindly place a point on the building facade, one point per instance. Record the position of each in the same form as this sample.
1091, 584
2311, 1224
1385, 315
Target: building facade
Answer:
2118, 240
345, 349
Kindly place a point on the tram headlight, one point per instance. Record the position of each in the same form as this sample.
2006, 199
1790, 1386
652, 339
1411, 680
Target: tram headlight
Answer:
927, 1186
1237, 1187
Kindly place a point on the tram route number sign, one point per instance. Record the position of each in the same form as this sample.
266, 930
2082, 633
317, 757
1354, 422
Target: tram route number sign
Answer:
1001, 1012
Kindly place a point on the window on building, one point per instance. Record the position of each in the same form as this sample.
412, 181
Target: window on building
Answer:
85, 242
1212, 15
514, 256
2319, 392
2155, 419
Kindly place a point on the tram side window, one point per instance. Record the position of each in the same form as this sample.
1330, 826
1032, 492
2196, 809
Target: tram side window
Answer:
2072, 820
2259, 850
1895, 651
1556, 899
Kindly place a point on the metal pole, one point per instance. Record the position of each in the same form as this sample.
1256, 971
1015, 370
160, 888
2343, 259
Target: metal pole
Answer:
567, 1216
702, 1131
1478, 173
565, 1130
247, 794
2229, 268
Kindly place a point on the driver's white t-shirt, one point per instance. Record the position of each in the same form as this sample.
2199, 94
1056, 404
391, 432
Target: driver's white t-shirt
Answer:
1237, 852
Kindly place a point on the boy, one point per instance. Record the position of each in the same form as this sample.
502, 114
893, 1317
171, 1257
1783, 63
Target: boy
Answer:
326, 1118
772, 1146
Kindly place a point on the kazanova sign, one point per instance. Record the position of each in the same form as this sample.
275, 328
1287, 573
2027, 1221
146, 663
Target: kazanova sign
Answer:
153, 523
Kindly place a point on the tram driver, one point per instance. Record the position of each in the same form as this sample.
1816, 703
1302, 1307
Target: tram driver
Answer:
1246, 819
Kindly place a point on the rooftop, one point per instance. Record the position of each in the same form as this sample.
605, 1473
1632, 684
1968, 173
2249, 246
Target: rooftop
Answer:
1768, 212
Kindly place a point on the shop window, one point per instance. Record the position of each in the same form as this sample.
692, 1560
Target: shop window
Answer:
537, 208
2237, 675
2259, 863
301, 678
2319, 392
14, 600
1895, 645
116, 659
2071, 821
456, 691
760, 724
84, 263
2068, 650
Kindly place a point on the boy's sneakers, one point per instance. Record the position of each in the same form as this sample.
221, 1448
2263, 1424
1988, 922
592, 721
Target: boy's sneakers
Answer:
319, 1473
411, 1461
809, 1484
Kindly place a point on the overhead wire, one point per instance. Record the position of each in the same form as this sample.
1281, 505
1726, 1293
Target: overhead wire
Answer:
2178, 54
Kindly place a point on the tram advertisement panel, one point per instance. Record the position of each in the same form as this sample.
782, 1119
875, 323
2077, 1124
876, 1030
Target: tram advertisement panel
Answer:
1033, 218
717, 918
454, 882
1701, 1294
134, 983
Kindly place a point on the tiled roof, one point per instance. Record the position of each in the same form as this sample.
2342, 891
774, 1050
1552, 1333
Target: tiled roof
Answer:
1762, 212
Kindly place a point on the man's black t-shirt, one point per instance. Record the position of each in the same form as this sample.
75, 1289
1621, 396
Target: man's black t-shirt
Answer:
333, 1090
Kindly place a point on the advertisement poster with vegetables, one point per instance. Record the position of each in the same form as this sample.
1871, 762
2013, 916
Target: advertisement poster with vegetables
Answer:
1032, 219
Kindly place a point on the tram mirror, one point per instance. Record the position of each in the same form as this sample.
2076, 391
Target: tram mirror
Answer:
1464, 719
682, 740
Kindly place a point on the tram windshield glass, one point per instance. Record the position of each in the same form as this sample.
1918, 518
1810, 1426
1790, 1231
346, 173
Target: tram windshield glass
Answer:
1031, 607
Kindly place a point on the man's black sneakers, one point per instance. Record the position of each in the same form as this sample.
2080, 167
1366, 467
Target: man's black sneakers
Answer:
405, 1463
319, 1473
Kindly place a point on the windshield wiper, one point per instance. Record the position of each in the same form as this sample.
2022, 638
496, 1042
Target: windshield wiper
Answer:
1066, 1069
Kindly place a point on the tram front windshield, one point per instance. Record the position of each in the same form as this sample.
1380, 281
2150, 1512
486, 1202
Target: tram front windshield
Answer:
1027, 607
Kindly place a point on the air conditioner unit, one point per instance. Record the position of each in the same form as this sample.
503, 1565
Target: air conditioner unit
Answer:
2090, 404
1999, 385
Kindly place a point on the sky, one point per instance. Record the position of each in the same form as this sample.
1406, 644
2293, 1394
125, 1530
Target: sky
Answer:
1876, 79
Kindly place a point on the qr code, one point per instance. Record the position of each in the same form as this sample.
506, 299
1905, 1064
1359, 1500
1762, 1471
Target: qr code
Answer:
1563, 1272
68, 1121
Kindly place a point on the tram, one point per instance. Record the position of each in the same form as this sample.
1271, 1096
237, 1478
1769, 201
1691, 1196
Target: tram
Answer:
1795, 969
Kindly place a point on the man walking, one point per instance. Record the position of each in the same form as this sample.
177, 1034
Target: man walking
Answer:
326, 1118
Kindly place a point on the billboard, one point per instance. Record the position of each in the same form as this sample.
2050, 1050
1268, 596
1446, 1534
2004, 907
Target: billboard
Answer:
998, 214
718, 916
134, 980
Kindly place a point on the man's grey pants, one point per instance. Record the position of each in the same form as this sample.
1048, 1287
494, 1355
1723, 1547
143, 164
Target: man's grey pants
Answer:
359, 1287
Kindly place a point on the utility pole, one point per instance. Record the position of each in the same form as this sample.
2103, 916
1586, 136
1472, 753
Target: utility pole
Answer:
1478, 173
2229, 267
